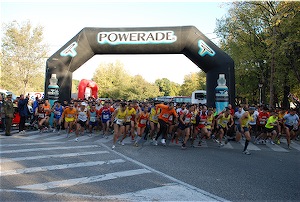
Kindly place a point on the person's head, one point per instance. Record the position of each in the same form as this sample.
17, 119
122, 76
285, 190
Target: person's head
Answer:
293, 111
71, 105
123, 105
227, 111
171, 105
204, 108
183, 106
9, 96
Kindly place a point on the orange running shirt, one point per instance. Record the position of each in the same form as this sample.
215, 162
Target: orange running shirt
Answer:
165, 112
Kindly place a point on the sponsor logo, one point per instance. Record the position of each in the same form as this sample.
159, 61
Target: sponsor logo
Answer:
70, 50
152, 37
205, 49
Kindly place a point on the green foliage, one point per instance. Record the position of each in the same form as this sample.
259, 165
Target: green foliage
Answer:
23, 58
114, 82
192, 82
263, 39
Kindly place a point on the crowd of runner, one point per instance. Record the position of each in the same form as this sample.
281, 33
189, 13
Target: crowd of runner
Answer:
185, 124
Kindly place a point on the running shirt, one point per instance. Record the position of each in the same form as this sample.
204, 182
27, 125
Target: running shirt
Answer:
58, 112
105, 113
223, 121
271, 120
203, 119
130, 116
193, 118
142, 121
41, 113
245, 121
209, 121
93, 116
82, 115
120, 117
47, 109
153, 115
291, 120
166, 112
262, 118
69, 113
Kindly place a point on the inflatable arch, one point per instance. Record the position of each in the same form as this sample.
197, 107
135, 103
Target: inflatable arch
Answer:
87, 88
187, 40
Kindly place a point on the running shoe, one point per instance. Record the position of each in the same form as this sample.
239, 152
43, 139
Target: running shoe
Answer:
183, 146
163, 141
54, 130
76, 139
226, 140
135, 144
272, 143
289, 148
113, 147
155, 142
246, 152
221, 145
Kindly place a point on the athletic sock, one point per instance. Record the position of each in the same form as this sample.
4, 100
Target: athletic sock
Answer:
246, 145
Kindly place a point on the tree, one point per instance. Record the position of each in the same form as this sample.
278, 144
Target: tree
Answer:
192, 82
114, 82
253, 33
23, 57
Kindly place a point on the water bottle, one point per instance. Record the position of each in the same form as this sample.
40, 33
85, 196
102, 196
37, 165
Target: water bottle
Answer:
53, 88
222, 99
53, 93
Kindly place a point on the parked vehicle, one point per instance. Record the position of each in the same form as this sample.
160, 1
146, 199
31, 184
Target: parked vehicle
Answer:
199, 97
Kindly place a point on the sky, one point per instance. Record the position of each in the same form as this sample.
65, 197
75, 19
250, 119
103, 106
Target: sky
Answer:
63, 19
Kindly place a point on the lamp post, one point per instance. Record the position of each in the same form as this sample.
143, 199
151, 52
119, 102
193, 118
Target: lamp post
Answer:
260, 85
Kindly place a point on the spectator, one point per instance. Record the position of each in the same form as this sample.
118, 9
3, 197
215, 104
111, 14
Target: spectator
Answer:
9, 114
23, 110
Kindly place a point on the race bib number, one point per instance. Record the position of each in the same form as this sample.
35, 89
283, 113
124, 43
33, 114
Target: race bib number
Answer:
154, 118
105, 116
143, 121
165, 115
93, 119
119, 121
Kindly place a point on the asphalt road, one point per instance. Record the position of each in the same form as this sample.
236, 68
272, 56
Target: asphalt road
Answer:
51, 167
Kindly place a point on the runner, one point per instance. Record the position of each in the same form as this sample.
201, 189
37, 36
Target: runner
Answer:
163, 120
223, 119
57, 110
185, 124
69, 116
118, 120
82, 120
209, 126
105, 114
153, 117
42, 118
291, 123
141, 119
244, 122
130, 122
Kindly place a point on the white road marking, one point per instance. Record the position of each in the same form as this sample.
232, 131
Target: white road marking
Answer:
196, 190
276, 148
46, 149
84, 180
251, 146
58, 167
4, 160
29, 144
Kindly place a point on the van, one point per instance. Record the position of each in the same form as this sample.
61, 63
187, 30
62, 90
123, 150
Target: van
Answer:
199, 97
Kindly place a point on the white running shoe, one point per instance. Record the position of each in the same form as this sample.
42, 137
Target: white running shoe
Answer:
54, 130
246, 152
163, 141
155, 142
113, 147
76, 139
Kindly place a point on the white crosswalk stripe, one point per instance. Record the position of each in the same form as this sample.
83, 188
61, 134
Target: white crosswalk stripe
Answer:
58, 167
51, 156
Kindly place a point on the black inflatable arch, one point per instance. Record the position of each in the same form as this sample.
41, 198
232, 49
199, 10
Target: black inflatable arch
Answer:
187, 40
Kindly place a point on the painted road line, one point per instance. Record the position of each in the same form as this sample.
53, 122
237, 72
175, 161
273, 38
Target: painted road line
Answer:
56, 137
6, 160
47, 149
81, 138
38, 135
276, 148
196, 190
58, 167
29, 144
292, 145
84, 180
251, 146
